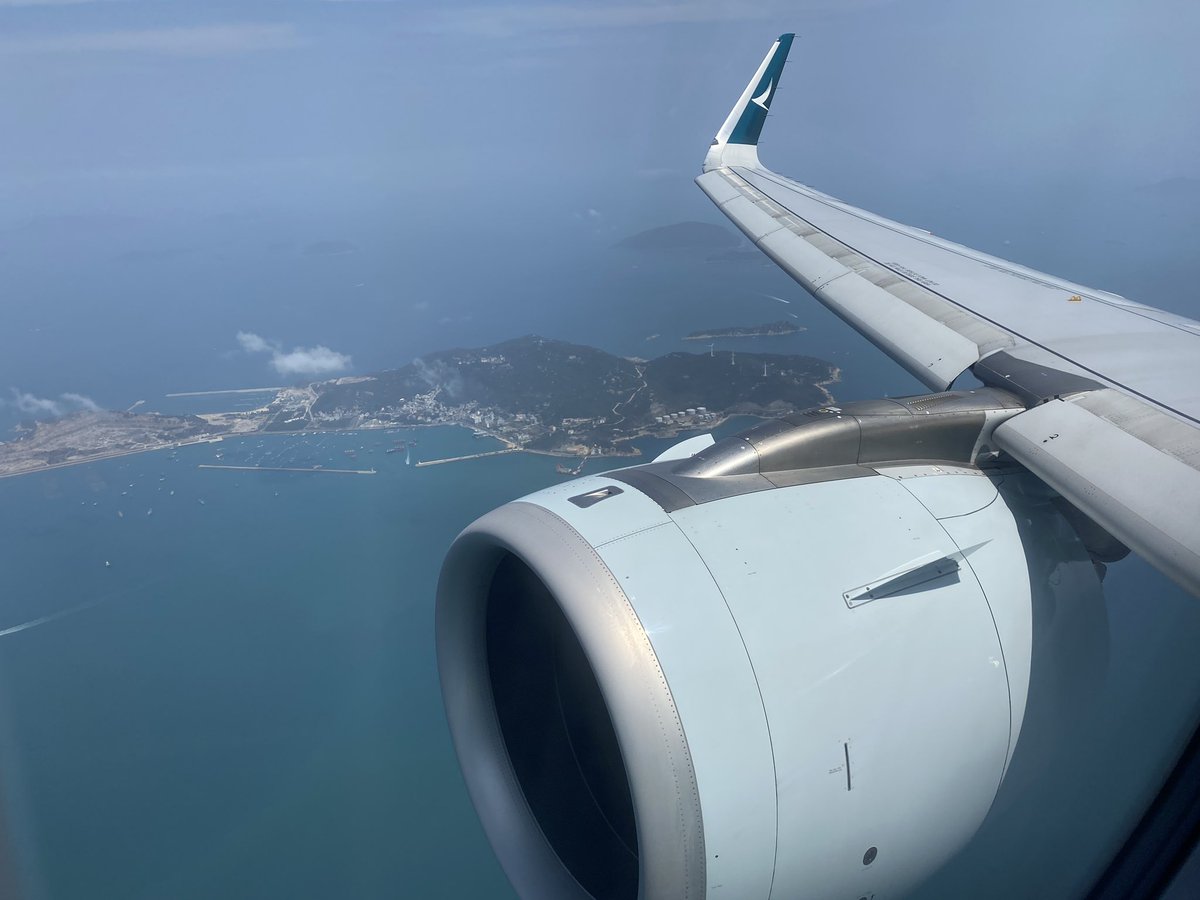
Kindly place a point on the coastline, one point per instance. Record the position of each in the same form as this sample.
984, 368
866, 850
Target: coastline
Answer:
747, 333
508, 448
823, 386
236, 422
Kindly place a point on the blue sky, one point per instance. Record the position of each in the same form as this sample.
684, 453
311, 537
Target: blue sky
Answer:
117, 103
148, 147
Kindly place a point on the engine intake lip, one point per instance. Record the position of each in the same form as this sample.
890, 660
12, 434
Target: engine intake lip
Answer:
653, 748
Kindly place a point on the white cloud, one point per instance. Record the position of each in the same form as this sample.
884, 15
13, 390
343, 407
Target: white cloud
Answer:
199, 40
47, 407
317, 360
80, 401
252, 343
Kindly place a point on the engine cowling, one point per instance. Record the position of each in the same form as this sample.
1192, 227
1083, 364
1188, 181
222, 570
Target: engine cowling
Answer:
768, 682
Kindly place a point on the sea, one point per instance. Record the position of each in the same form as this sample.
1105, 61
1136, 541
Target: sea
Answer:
222, 683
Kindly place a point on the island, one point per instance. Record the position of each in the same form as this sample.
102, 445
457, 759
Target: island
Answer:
532, 394
89, 435
772, 329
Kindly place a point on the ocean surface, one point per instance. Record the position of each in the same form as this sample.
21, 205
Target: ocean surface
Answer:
222, 683
244, 702
219, 683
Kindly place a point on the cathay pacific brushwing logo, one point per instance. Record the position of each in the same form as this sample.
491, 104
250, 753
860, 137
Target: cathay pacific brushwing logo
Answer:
761, 99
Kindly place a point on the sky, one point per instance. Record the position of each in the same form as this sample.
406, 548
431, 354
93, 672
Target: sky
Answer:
130, 108
149, 147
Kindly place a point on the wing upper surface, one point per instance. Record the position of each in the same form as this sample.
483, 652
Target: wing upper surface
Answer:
1124, 377
985, 303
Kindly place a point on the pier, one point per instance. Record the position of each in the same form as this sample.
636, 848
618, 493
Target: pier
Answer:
261, 390
288, 469
450, 459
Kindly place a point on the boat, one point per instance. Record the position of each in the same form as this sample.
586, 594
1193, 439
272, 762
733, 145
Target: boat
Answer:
567, 470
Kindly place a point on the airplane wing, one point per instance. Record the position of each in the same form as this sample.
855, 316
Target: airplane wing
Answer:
1112, 387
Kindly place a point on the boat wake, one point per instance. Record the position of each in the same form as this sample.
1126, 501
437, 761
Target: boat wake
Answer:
53, 617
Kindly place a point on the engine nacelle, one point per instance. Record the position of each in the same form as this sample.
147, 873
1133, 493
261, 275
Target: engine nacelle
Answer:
799, 681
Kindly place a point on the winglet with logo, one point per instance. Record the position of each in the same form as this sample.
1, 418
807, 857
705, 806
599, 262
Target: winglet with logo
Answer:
736, 141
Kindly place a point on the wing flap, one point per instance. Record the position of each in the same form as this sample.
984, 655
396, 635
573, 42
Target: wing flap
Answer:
1093, 449
934, 353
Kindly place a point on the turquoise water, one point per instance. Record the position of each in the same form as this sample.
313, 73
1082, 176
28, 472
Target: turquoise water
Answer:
245, 702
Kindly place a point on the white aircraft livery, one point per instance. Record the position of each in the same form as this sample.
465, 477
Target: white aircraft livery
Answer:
797, 662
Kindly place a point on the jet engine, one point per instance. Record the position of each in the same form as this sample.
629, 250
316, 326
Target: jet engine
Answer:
795, 663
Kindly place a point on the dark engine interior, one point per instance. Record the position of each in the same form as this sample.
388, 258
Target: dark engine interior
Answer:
559, 734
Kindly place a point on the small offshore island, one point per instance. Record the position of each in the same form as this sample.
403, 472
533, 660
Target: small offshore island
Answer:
531, 393
773, 329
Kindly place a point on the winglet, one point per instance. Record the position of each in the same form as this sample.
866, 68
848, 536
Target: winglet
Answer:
735, 143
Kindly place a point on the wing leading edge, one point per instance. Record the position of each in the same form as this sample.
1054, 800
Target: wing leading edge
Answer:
1112, 386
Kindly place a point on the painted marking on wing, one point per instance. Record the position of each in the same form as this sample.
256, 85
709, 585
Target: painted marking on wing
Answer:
761, 99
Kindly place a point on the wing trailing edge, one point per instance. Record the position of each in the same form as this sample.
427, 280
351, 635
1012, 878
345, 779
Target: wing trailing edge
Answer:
1112, 386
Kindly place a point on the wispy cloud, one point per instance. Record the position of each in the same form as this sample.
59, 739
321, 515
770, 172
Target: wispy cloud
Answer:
439, 374
503, 19
197, 41
252, 343
48, 407
318, 360
13, 3
7, 4
80, 401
